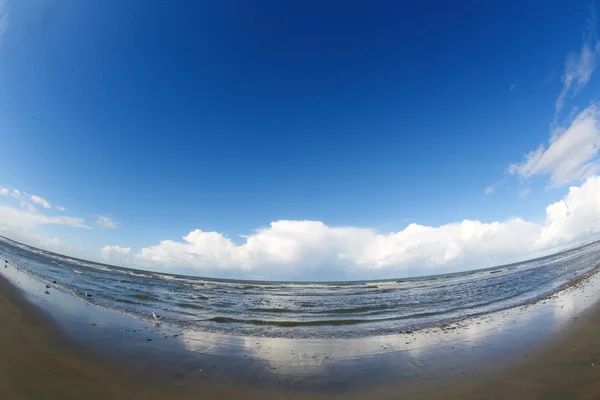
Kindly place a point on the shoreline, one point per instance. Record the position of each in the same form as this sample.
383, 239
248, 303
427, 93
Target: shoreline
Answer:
249, 321
490, 354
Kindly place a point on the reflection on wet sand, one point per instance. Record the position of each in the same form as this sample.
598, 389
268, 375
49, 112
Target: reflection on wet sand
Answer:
447, 350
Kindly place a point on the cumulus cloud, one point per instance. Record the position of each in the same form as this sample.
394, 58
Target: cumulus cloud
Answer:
574, 217
60, 208
579, 67
116, 254
571, 154
489, 189
304, 249
105, 222
40, 201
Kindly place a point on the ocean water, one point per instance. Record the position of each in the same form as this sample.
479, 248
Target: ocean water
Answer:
305, 310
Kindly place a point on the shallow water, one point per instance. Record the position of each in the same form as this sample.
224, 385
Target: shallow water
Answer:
305, 310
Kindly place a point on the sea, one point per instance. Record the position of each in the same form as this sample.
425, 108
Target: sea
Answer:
304, 309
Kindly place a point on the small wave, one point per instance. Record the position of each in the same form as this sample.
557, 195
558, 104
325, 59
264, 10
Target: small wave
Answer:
192, 306
98, 267
273, 310
286, 324
318, 285
359, 309
176, 279
142, 296
127, 301
139, 275
351, 310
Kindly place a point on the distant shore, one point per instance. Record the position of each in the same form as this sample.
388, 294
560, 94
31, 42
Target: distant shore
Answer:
42, 359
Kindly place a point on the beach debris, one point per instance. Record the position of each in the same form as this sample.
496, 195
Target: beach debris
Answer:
156, 318
47, 292
87, 294
53, 281
148, 339
47, 286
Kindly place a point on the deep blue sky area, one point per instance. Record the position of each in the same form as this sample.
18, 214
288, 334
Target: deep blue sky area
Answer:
227, 115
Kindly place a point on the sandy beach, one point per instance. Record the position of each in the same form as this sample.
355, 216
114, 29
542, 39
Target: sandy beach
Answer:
38, 360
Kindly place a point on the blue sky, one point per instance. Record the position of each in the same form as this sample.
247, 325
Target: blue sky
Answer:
147, 122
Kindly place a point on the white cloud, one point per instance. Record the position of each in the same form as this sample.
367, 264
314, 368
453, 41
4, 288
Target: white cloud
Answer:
579, 67
28, 206
28, 217
512, 87
571, 154
489, 189
304, 249
574, 217
42, 242
116, 254
26, 220
60, 208
24, 197
21, 223
39, 200
105, 222
524, 192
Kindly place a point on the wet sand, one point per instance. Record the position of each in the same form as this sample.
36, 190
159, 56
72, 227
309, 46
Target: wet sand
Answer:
40, 360
37, 362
